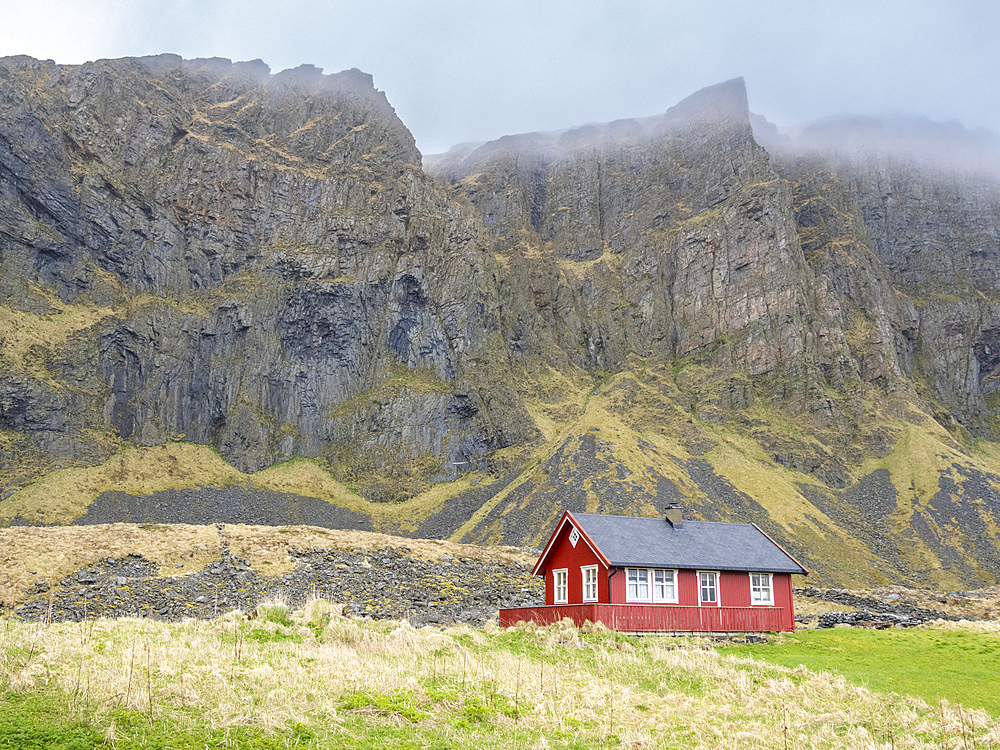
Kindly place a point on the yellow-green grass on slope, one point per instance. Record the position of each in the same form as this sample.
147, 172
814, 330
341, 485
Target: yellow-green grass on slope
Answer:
31, 554
958, 664
923, 454
302, 476
21, 332
735, 457
775, 488
600, 423
63, 495
555, 426
915, 464
316, 680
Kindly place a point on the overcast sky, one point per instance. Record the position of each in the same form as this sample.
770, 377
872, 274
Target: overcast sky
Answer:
470, 70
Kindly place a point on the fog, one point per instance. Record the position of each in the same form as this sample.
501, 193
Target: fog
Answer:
458, 71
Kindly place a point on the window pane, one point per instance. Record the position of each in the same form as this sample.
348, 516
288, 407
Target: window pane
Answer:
590, 583
560, 586
760, 588
708, 593
663, 586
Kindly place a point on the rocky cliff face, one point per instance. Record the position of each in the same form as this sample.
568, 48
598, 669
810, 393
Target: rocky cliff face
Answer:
675, 240
927, 201
601, 319
256, 256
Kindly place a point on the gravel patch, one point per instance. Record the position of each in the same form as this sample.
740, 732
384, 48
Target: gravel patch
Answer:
378, 583
872, 611
208, 505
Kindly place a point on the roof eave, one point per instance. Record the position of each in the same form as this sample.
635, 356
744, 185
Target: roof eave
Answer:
804, 571
706, 566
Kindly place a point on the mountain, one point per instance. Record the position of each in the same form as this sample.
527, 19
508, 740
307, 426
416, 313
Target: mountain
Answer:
231, 295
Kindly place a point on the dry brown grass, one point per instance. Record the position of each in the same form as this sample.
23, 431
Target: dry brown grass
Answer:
597, 689
53, 552
29, 554
807, 605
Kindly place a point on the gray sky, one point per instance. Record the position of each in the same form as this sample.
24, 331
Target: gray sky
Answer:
468, 70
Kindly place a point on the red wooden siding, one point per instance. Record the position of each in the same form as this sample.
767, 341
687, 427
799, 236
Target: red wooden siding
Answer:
734, 588
565, 555
639, 618
687, 588
782, 587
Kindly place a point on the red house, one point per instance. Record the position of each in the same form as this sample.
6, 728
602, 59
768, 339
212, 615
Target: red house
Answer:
663, 575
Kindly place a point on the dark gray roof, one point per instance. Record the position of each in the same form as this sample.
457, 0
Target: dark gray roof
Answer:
705, 545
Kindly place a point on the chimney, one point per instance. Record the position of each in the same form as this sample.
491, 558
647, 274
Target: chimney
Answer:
675, 515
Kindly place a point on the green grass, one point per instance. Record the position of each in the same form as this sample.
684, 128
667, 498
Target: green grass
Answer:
42, 722
961, 666
39, 721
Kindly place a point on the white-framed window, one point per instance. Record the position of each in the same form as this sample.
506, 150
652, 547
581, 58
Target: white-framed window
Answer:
560, 586
589, 575
637, 585
708, 587
650, 585
665, 586
761, 589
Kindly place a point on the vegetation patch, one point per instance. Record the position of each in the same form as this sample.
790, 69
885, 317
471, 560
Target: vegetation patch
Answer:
63, 495
196, 684
958, 665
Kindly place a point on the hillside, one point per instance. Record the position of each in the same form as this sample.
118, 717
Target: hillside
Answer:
231, 296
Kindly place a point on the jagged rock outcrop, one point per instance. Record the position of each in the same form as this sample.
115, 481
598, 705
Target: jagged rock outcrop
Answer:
673, 238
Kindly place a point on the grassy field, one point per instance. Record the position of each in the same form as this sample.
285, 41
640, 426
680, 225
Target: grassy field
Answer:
959, 664
313, 679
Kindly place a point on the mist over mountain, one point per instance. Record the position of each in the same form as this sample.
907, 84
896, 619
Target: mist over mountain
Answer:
934, 145
223, 290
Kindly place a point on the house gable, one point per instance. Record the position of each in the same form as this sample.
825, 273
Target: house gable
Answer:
561, 536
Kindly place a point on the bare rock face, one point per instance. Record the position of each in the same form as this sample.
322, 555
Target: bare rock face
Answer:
267, 255
669, 235
673, 238
925, 202
687, 306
